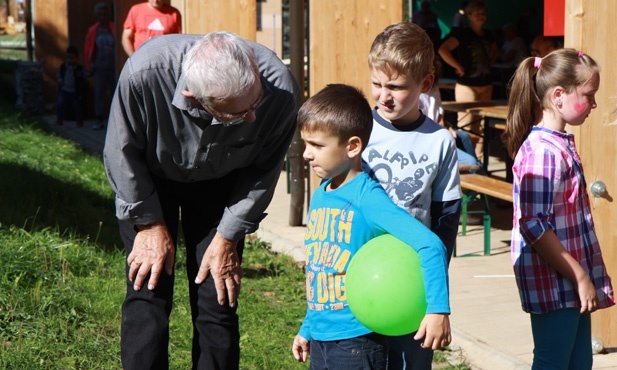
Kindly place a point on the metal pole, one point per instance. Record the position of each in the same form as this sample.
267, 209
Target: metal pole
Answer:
274, 33
28, 16
294, 156
409, 9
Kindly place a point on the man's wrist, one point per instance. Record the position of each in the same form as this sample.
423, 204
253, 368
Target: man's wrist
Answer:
143, 227
139, 228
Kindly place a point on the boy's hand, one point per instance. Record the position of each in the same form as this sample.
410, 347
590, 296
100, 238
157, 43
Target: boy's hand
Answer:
435, 329
300, 348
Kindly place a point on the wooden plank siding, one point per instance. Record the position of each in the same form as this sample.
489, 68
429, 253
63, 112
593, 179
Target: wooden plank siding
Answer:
341, 34
587, 25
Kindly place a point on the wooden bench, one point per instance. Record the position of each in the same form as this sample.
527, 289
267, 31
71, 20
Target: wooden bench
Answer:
475, 185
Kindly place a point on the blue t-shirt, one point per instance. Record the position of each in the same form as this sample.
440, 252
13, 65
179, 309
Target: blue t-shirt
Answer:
341, 221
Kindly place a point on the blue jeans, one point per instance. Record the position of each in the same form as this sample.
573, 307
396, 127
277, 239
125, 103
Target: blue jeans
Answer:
465, 149
104, 86
365, 352
71, 99
562, 340
145, 314
465, 158
405, 353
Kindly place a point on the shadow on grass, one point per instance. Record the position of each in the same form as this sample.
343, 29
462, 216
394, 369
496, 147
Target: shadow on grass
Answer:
33, 201
257, 272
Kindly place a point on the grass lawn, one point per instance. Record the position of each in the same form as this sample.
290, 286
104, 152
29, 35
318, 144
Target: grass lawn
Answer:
62, 270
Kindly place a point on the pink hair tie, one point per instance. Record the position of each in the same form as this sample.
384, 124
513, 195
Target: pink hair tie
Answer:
537, 62
580, 54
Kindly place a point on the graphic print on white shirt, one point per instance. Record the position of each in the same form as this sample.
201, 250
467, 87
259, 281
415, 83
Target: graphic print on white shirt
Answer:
412, 166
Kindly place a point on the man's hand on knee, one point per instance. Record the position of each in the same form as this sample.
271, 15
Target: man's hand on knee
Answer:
153, 252
222, 261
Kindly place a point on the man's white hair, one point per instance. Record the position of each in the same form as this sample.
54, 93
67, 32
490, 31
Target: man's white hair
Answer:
219, 66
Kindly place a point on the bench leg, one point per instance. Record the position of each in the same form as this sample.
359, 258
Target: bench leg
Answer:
466, 199
487, 234
487, 226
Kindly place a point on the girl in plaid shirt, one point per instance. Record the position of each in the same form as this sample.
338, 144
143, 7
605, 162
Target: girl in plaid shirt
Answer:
557, 261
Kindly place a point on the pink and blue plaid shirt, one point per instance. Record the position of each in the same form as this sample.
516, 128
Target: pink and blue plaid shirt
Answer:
550, 194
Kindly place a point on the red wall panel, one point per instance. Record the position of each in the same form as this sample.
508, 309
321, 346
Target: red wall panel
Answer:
554, 17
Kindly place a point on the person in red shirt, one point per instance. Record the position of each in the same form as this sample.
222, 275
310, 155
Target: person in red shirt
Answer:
149, 19
100, 60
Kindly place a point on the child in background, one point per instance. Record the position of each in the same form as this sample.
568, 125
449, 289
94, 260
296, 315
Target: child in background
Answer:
557, 260
430, 105
347, 210
71, 82
413, 157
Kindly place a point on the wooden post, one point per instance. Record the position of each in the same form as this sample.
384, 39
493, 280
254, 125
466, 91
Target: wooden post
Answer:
584, 21
296, 166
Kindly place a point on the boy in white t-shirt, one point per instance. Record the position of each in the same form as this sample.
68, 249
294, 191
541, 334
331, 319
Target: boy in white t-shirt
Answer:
414, 158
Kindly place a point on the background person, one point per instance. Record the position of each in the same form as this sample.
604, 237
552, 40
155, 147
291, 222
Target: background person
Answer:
471, 51
198, 131
459, 20
100, 57
72, 87
542, 45
149, 19
513, 49
425, 17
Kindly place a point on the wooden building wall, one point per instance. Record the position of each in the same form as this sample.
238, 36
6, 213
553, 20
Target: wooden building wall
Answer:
50, 23
203, 16
595, 139
60, 23
341, 34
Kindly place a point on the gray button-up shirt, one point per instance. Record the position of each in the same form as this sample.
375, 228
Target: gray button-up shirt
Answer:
154, 130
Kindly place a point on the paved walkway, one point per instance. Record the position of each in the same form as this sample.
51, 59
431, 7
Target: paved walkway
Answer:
490, 331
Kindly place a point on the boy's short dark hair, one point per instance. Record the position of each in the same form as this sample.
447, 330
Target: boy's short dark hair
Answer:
72, 49
340, 110
403, 48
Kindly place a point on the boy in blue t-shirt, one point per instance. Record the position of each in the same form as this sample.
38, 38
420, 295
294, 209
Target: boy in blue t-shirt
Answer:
347, 210
412, 156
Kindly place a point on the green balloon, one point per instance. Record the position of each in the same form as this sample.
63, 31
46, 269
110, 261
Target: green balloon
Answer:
385, 288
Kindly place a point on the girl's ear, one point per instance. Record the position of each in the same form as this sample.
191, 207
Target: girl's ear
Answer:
354, 146
427, 83
557, 95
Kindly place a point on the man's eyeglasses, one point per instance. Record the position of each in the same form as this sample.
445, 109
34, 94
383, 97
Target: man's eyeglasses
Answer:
230, 119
